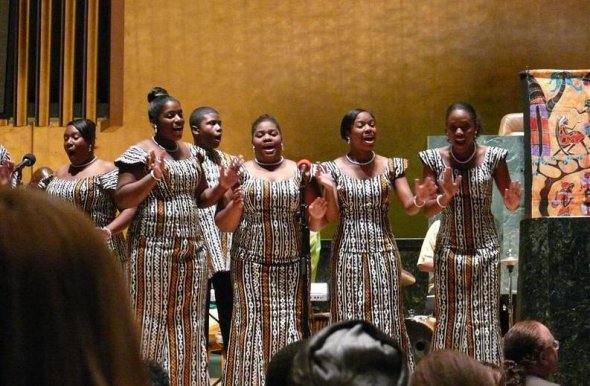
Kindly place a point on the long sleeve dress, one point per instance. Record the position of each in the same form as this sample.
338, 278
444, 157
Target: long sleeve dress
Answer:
268, 298
466, 271
366, 266
167, 270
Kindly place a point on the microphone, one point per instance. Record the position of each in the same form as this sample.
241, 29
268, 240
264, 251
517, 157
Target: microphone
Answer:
28, 160
304, 165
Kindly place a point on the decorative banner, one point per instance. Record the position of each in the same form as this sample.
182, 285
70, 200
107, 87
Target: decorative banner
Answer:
557, 128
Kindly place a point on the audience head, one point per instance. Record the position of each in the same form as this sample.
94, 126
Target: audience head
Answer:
451, 368
529, 349
348, 122
38, 175
471, 112
206, 127
350, 353
64, 315
279, 368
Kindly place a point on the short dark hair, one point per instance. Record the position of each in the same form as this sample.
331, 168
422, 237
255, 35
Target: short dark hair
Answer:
473, 114
87, 129
350, 350
265, 118
199, 113
348, 120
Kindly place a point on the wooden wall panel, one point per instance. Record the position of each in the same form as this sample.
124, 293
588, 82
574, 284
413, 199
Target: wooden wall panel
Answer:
308, 62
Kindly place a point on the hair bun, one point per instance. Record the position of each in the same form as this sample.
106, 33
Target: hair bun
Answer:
156, 92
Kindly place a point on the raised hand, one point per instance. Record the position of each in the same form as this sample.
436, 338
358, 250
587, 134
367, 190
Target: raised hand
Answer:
156, 163
425, 190
512, 195
6, 169
448, 186
324, 178
318, 208
237, 197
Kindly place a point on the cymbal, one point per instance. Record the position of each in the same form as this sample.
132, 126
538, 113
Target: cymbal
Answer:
509, 261
407, 278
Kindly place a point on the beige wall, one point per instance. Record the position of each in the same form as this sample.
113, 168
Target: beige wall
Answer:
308, 62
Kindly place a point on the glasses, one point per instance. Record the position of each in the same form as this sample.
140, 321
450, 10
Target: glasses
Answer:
555, 345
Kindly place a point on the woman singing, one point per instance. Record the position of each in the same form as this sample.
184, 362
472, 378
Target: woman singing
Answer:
168, 272
268, 291
467, 248
366, 266
89, 183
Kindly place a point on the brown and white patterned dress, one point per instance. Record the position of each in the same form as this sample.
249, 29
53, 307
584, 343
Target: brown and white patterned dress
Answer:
218, 243
366, 266
93, 196
4, 154
167, 270
268, 297
466, 260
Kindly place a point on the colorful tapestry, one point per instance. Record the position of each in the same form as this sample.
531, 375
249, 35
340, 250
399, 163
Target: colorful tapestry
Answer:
557, 128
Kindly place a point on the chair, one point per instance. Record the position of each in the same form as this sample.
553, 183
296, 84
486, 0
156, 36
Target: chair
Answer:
512, 124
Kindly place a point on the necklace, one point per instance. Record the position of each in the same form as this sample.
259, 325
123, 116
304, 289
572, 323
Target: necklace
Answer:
165, 148
468, 159
269, 163
84, 165
361, 163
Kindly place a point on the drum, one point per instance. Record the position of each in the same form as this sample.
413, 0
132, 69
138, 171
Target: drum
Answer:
420, 330
319, 320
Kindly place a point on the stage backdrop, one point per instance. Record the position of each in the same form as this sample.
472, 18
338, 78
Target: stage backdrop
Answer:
557, 126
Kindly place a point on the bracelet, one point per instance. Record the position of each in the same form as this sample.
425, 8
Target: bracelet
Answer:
108, 231
438, 201
153, 175
416, 203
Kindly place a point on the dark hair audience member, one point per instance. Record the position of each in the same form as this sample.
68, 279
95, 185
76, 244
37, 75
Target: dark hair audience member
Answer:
352, 352
279, 368
530, 354
64, 315
452, 368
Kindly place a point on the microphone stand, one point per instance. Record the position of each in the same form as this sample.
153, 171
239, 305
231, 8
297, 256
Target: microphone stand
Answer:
304, 257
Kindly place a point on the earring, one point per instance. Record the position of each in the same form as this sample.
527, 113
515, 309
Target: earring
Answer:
347, 139
253, 149
155, 128
90, 147
282, 146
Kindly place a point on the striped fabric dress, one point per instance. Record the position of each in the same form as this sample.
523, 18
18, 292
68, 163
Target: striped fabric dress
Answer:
366, 266
93, 196
4, 154
466, 263
265, 271
168, 274
218, 243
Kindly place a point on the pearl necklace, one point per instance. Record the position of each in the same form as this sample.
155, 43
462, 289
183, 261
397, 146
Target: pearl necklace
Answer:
468, 159
269, 163
84, 165
164, 148
361, 163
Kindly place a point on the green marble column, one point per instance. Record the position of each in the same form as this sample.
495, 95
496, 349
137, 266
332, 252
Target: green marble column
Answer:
554, 288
